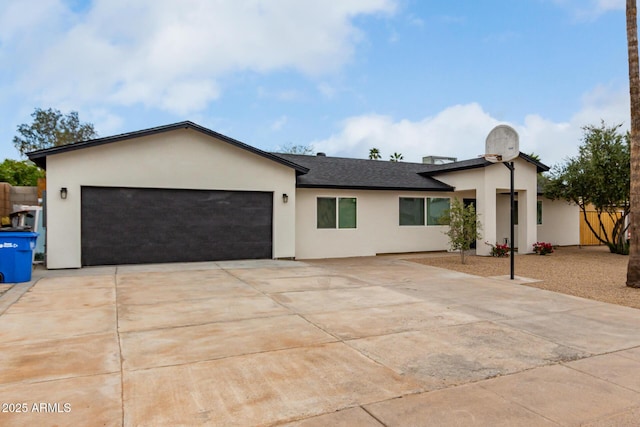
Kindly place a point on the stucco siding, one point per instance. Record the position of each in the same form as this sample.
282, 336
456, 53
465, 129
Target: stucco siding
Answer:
503, 220
378, 230
491, 183
560, 223
181, 159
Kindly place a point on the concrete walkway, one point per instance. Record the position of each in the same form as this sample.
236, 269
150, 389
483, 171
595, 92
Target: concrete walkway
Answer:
353, 342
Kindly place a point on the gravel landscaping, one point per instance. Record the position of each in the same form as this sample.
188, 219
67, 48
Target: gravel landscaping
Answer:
589, 271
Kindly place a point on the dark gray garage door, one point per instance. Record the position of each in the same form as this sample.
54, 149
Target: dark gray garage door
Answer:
141, 225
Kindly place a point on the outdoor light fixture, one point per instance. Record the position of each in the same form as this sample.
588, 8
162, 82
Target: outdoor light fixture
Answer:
285, 198
63, 193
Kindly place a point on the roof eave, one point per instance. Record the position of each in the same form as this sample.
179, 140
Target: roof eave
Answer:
39, 156
372, 187
454, 169
540, 167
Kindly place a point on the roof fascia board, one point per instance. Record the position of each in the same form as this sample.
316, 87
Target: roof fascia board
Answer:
454, 169
362, 187
39, 155
540, 167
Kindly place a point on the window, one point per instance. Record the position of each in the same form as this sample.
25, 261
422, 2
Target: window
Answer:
326, 212
332, 211
411, 211
539, 220
436, 208
347, 212
515, 212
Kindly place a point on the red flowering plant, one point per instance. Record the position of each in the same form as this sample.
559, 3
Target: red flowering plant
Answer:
542, 248
498, 250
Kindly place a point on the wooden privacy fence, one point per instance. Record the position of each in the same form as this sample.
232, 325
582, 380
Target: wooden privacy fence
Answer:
587, 237
5, 199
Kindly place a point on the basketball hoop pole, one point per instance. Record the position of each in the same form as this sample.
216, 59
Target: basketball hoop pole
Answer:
510, 166
504, 143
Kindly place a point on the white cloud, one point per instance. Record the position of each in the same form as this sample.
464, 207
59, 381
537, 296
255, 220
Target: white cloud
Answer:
588, 10
452, 132
18, 19
279, 123
173, 54
605, 103
460, 131
606, 5
281, 95
107, 122
327, 90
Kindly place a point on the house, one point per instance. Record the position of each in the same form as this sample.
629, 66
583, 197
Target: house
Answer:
181, 193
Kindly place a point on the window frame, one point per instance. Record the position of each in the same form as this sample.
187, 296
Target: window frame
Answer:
539, 213
337, 223
425, 211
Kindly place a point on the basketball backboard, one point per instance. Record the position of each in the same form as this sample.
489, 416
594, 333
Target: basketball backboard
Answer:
502, 144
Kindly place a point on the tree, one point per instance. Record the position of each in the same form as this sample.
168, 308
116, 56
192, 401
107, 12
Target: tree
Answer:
297, 149
633, 268
17, 172
50, 128
534, 156
464, 227
374, 154
598, 178
542, 179
396, 157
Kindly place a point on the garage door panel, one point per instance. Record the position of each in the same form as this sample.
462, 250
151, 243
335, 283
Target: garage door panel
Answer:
133, 225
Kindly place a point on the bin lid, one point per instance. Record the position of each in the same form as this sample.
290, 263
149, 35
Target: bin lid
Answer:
15, 229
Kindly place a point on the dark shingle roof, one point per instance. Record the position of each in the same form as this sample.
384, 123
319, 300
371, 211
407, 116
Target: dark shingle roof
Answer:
479, 162
455, 166
340, 172
39, 157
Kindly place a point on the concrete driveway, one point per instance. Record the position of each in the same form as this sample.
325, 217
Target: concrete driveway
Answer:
355, 342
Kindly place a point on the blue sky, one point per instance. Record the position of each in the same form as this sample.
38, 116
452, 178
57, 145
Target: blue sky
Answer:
421, 78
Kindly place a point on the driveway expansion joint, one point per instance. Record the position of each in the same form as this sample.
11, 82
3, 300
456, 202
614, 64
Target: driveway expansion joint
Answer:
327, 351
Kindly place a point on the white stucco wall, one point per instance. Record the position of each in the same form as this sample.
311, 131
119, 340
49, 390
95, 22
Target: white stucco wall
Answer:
560, 223
378, 230
493, 208
181, 159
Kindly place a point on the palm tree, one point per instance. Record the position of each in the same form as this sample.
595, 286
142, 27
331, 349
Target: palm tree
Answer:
633, 269
374, 154
396, 157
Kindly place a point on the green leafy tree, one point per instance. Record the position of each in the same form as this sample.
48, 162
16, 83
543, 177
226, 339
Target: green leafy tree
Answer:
17, 172
50, 128
534, 156
542, 179
464, 227
396, 157
297, 149
598, 178
374, 154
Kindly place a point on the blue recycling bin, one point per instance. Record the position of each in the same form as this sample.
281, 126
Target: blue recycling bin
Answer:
16, 255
